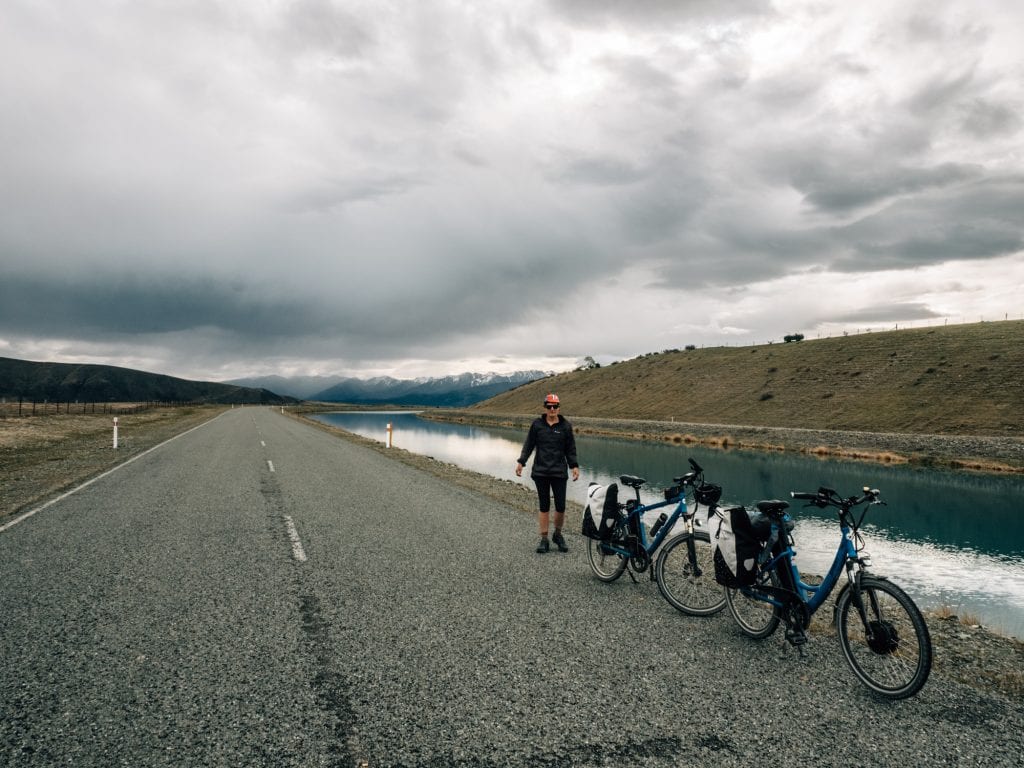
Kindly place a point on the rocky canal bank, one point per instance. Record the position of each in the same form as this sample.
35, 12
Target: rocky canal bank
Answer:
976, 453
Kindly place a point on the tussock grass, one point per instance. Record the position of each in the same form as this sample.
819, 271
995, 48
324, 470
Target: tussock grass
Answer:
947, 613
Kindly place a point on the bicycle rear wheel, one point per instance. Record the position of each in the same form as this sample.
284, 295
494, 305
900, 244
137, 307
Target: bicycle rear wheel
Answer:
688, 584
607, 566
755, 618
896, 659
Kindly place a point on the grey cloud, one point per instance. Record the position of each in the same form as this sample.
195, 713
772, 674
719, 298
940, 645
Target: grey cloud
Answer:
842, 186
81, 306
981, 240
985, 118
654, 12
941, 92
888, 313
652, 78
320, 25
975, 221
333, 194
309, 176
602, 170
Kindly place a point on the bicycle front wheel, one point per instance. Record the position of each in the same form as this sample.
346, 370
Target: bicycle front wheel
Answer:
686, 575
606, 565
755, 618
892, 654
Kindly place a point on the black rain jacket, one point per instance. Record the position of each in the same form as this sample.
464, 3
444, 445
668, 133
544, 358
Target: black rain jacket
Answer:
555, 446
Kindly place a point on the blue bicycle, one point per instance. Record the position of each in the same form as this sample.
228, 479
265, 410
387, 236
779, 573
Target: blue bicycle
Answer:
883, 636
683, 570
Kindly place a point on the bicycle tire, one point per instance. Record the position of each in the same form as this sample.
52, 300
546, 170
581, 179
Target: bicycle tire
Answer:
673, 570
755, 618
607, 567
897, 661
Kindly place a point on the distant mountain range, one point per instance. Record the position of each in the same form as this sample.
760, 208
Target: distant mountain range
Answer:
446, 391
85, 383
81, 383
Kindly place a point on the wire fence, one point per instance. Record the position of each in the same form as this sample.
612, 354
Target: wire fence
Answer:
29, 408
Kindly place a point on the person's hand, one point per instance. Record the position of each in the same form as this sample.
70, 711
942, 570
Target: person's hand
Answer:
575, 474
519, 469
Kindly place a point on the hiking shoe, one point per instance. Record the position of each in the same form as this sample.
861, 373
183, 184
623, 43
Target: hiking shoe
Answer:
560, 542
543, 546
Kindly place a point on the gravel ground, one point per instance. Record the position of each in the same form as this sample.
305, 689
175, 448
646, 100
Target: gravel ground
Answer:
967, 653
515, 654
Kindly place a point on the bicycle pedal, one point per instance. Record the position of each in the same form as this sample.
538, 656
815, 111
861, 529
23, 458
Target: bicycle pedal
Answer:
796, 638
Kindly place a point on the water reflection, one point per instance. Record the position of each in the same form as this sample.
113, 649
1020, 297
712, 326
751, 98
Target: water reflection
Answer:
948, 538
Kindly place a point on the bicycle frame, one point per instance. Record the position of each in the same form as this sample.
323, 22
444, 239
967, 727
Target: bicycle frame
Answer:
637, 510
882, 634
811, 595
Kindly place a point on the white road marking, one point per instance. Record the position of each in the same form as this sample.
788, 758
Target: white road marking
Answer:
297, 551
87, 483
270, 464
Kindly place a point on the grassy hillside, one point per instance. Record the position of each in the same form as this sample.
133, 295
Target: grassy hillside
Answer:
963, 379
73, 382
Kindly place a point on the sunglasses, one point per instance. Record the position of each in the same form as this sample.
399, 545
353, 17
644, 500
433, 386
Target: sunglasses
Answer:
551, 406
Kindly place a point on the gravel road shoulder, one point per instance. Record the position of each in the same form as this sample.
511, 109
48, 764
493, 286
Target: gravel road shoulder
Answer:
967, 653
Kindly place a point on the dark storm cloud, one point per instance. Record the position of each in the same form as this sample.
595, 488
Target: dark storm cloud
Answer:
971, 222
835, 186
156, 303
889, 312
312, 180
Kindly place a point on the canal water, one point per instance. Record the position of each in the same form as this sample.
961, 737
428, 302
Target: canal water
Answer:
950, 539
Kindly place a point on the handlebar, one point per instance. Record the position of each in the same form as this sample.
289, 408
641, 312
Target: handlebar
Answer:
827, 497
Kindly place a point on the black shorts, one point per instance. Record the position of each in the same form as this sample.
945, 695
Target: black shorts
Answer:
546, 486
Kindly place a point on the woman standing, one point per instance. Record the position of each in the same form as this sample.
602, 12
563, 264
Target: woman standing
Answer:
551, 436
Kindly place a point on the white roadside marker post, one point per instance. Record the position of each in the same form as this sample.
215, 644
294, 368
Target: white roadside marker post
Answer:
115, 432
390, 431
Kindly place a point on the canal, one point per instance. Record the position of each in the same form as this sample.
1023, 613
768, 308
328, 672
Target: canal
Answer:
950, 539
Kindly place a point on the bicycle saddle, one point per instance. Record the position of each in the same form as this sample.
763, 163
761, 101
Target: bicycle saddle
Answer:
773, 508
631, 480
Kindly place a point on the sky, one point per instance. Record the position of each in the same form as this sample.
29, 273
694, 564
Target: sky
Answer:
215, 189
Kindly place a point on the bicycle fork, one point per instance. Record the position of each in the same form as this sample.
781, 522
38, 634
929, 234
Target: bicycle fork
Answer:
874, 630
691, 548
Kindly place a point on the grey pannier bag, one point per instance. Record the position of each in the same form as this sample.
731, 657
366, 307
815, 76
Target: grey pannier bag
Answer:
602, 511
735, 547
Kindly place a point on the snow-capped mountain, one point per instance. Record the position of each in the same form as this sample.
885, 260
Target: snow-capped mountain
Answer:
451, 391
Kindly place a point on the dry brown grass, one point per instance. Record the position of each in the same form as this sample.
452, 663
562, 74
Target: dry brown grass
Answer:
41, 456
962, 379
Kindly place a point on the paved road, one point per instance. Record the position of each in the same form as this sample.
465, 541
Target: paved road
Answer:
259, 593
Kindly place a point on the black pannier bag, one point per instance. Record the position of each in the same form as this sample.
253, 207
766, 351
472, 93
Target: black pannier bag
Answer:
705, 497
707, 494
673, 493
735, 545
602, 511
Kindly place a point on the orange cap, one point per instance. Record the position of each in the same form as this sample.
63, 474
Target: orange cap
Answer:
551, 399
